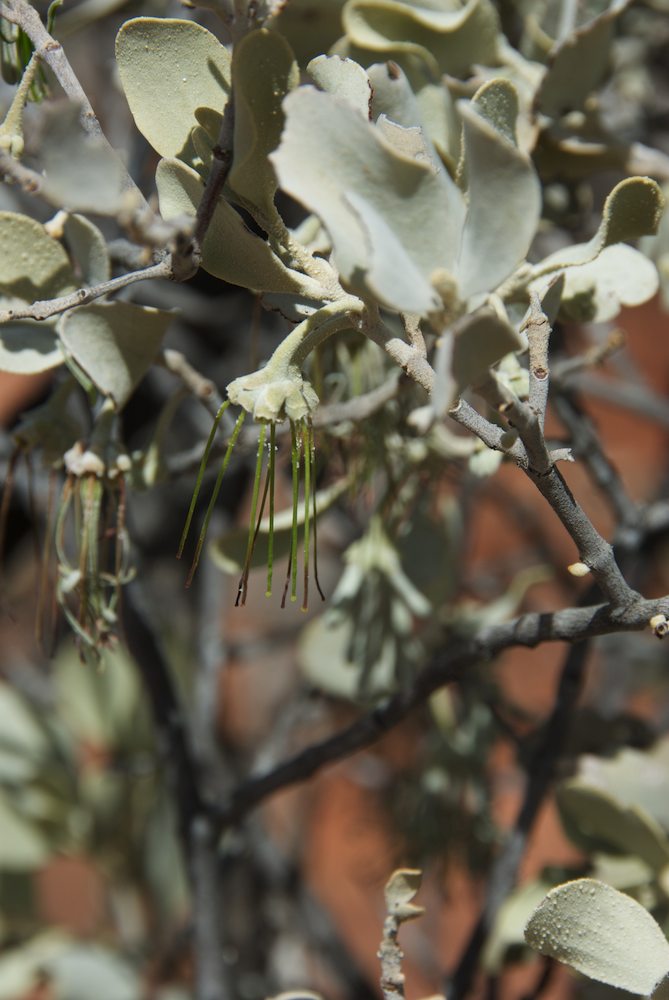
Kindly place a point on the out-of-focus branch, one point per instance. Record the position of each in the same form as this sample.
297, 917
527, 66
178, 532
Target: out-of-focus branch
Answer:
29, 180
586, 445
541, 772
569, 625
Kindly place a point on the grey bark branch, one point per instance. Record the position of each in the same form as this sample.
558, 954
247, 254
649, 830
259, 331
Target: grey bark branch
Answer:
46, 308
529, 630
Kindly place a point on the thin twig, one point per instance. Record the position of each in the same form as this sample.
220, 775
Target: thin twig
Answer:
52, 307
197, 384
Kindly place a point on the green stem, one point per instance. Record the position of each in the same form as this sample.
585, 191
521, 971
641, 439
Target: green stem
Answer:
311, 332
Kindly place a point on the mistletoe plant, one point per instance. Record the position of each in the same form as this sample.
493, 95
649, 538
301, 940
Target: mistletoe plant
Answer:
405, 198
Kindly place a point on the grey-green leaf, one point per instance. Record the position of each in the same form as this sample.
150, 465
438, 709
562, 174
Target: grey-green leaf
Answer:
483, 338
449, 41
596, 821
28, 347
169, 68
596, 292
503, 193
578, 64
88, 249
633, 209
384, 211
263, 72
32, 264
114, 344
345, 79
81, 174
602, 933
230, 251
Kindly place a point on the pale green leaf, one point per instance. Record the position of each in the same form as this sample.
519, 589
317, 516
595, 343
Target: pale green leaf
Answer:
23, 845
399, 892
84, 970
88, 249
97, 706
114, 343
322, 657
633, 209
345, 79
633, 777
497, 102
231, 251
32, 265
430, 107
81, 174
578, 65
169, 68
503, 193
28, 347
508, 931
483, 338
20, 968
596, 821
602, 933
596, 292
449, 41
23, 742
263, 72
374, 202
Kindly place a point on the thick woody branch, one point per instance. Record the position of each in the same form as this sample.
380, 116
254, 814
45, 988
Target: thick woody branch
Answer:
570, 625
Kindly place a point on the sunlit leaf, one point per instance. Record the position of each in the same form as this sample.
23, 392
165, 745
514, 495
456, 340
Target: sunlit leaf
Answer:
114, 344
263, 72
449, 41
345, 79
391, 218
28, 347
32, 264
503, 191
81, 174
579, 63
169, 68
88, 249
231, 251
596, 821
602, 933
597, 291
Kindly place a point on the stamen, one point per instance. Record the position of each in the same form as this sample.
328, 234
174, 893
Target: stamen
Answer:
214, 495
253, 527
270, 540
200, 475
